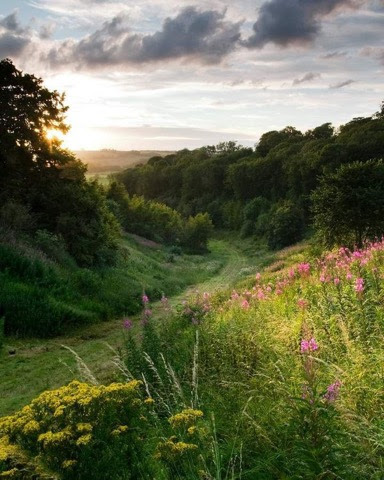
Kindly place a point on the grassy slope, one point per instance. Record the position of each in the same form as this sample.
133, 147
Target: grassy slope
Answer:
43, 364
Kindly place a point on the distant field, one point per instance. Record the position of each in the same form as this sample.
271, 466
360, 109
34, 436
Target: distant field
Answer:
105, 162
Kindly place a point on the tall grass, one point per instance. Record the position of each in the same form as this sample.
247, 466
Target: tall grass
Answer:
289, 365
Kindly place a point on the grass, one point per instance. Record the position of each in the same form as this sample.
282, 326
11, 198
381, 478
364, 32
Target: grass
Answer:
41, 364
277, 375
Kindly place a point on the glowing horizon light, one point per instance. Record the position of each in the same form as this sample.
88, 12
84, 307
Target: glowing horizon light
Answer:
53, 134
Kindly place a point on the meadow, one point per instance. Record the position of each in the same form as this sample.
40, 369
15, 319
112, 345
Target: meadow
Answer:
277, 377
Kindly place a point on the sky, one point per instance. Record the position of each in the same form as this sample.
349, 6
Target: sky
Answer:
167, 74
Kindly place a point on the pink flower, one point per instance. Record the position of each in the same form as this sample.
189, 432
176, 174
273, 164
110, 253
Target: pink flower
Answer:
147, 312
304, 346
303, 268
302, 303
349, 276
260, 295
359, 285
336, 281
234, 295
308, 345
332, 391
128, 324
245, 304
258, 276
144, 299
313, 345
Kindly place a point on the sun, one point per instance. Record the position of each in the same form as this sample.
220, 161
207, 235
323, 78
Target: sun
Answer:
53, 134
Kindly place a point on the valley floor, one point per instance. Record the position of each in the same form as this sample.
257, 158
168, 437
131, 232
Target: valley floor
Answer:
38, 365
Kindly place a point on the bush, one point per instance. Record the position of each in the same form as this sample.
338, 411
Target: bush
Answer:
84, 432
197, 231
348, 205
285, 225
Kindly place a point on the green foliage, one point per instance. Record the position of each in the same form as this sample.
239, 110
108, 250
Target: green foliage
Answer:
197, 231
348, 205
285, 225
1, 332
83, 431
284, 167
42, 186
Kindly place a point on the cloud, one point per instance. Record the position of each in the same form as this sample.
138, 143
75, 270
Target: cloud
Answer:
201, 35
308, 77
46, 30
286, 22
333, 55
373, 52
342, 84
13, 38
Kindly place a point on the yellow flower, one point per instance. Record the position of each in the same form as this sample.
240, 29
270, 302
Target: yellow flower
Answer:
84, 427
186, 418
120, 429
69, 464
31, 427
13, 473
84, 440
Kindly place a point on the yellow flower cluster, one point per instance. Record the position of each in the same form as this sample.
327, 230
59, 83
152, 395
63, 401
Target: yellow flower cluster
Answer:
84, 440
59, 424
186, 418
120, 429
172, 450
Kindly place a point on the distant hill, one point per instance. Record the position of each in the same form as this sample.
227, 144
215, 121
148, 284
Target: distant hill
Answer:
106, 160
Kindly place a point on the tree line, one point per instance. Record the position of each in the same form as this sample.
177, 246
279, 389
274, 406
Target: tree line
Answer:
288, 185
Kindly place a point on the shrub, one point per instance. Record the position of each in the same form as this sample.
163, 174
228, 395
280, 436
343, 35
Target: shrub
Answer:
285, 225
84, 432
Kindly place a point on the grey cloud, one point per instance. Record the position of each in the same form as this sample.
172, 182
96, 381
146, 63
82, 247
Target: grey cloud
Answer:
286, 22
333, 55
13, 38
342, 84
203, 35
11, 45
308, 77
373, 52
11, 23
46, 31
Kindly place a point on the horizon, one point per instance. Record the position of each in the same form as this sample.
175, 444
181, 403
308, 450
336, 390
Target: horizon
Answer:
172, 75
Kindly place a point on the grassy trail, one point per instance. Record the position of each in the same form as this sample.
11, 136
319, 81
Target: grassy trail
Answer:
39, 365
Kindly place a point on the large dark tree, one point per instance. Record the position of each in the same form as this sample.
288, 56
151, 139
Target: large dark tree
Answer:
40, 176
348, 205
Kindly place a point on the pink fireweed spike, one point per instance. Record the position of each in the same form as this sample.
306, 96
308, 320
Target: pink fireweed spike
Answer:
303, 268
332, 391
145, 299
302, 303
127, 323
307, 346
245, 304
359, 285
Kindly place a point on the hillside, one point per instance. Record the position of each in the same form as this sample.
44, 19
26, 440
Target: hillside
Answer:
110, 161
279, 377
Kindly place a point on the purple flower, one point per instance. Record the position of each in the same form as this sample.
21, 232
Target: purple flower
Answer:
303, 268
332, 391
144, 299
359, 285
308, 345
128, 324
